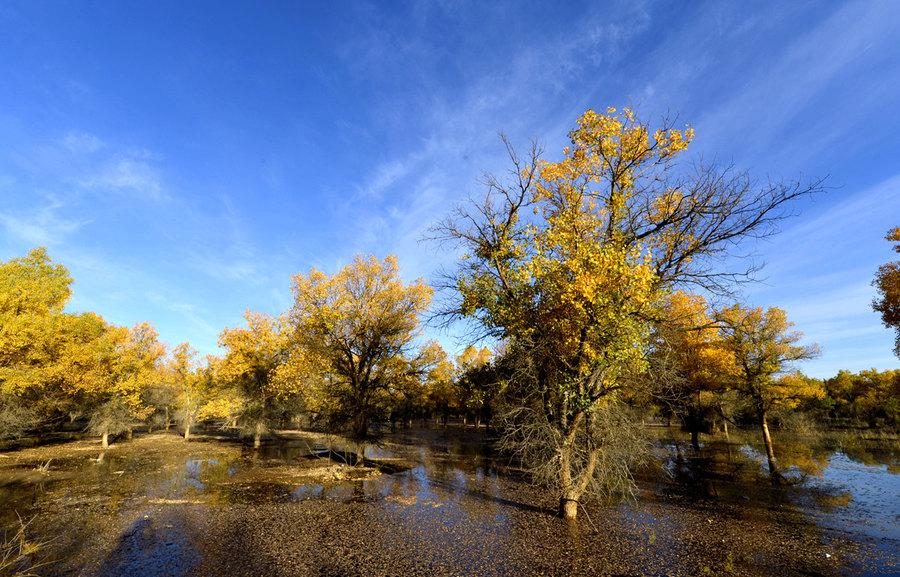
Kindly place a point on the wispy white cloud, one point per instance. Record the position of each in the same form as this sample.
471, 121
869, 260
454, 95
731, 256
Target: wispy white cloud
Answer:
834, 234
128, 174
80, 162
388, 175
82, 142
775, 93
408, 192
220, 243
41, 226
196, 319
820, 269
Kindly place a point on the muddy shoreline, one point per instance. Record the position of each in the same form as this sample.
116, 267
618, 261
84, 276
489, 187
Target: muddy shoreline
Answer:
158, 506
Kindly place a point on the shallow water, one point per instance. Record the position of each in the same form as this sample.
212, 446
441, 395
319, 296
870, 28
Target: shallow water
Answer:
433, 484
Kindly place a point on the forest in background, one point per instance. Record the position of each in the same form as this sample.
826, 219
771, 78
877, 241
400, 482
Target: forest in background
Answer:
599, 277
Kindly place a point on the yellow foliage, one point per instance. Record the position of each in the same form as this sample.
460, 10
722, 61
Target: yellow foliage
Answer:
258, 365
472, 357
59, 359
692, 337
226, 406
764, 346
358, 326
575, 278
887, 285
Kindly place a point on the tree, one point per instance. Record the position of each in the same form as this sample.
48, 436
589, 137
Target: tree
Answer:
569, 262
871, 396
252, 362
412, 390
184, 380
887, 285
58, 363
160, 398
124, 363
877, 396
689, 363
33, 292
360, 324
764, 346
476, 383
442, 392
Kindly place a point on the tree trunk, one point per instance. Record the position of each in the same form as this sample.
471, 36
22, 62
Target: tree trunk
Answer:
568, 501
572, 489
465, 421
187, 430
360, 455
104, 440
360, 426
129, 434
725, 422
167, 418
770, 451
257, 436
568, 508
695, 439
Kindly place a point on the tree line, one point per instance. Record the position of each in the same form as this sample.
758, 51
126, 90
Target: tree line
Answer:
606, 281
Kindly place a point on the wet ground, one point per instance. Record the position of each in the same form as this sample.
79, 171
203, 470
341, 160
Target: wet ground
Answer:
436, 502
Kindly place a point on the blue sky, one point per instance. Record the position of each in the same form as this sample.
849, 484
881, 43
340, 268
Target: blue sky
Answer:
185, 159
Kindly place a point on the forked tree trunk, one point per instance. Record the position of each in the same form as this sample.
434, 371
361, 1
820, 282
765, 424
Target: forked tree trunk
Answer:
770, 451
257, 436
573, 488
104, 440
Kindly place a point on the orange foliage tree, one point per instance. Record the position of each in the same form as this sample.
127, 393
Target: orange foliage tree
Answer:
887, 284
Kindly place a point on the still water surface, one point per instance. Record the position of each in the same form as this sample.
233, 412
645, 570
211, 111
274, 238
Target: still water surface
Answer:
435, 480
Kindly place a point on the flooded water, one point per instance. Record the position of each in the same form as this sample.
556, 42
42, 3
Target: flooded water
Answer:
158, 506
848, 484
